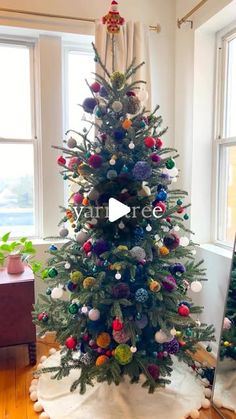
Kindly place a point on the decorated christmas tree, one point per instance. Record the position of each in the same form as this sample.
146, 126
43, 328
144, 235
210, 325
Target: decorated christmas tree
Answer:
228, 339
117, 291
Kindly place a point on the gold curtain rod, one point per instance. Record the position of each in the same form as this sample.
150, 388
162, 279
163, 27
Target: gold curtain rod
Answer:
188, 15
156, 28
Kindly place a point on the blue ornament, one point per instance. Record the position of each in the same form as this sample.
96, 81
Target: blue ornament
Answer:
142, 170
162, 195
185, 303
71, 286
103, 92
89, 104
141, 295
119, 134
139, 232
52, 248
142, 124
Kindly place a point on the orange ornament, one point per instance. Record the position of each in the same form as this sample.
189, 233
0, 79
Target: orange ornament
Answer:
127, 124
101, 360
164, 251
85, 202
154, 286
103, 340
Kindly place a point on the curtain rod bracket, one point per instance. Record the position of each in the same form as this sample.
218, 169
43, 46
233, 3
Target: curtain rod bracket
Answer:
181, 21
189, 14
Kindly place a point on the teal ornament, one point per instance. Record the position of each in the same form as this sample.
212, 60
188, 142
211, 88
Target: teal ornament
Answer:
87, 155
52, 272
75, 175
170, 164
180, 202
186, 217
188, 332
132, 280
73, 309
52, 248
94, 269
138, 316
142, 124
209, 348
124, 169
48, 291
65, 177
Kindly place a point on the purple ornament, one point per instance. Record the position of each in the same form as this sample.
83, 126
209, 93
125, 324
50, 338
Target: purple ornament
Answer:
169, 283
100, 246
89, 104
177, 268
142, 170
172, 347
171, 241
103, 92
121, 290
142, 323
154, 371
155, 158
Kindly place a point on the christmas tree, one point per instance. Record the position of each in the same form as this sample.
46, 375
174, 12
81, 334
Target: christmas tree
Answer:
228, 339
126, 311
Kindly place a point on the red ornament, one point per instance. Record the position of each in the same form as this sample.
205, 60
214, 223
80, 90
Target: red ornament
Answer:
86, 338
87, 247
61, 161
161, 207
130, 93
117, 325
183, 310
95, 87
168, 219
180, 210
108, 353
149, 142
71, 342
113, 20
95, 161
41, 316
159, 143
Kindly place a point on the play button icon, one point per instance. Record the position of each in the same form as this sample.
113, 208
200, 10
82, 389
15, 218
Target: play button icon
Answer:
117, 210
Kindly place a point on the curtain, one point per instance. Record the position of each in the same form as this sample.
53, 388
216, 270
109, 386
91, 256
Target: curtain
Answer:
132, 42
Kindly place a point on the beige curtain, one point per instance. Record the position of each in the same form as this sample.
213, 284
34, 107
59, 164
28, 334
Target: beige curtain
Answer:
132, 42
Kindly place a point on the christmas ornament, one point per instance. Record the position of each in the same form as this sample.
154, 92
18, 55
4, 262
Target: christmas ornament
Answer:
142, 170
177, 268
132, 105
159, 143
133, 349
95, 161
101, 360
89, 282
81, 236
121, 336
141, 295
103, 92
162, 337
149, 142
76, 277
52, 248
162, 195
227, 324
196, 286
71, 143
117, 325
127, 123
170, 164
118, 276
95, 87
73, 163
154, 371
131, 145
169, 283
87, 247
57, 293
184, 241
171, 241
138, 253
52, 272
121, 290
123, 354
61, 161
63, 232
119, 134
87, 359
94, 314
155, 158
71, 342
103, 340
78, 198
112, 174
155, 286
71, 286
183, 310
43, 317
73, 308
117, 106
118, 80
112, 19
172, 347
89, 104
100, 246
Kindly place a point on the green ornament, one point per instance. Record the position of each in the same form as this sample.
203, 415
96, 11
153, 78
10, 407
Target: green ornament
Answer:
209, 348
170, 164
48, 291
124, 169
45, 318
65, 177
180, 202
186, 217
87, 155
65, 219
188, 332
118, 80
52, 272
75, 175
123, 354
73, 308
45, 274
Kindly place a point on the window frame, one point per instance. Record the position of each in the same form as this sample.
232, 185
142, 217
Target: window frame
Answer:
221, 141
30, 43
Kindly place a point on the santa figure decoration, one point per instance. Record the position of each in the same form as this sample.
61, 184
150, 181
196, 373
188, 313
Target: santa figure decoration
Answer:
113, 20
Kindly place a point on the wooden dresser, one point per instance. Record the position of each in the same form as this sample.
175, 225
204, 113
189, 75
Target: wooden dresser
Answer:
16, 301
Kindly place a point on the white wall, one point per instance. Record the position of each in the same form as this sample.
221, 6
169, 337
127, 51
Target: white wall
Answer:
194, 120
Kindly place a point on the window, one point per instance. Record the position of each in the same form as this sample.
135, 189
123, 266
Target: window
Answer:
225, 144
17, 140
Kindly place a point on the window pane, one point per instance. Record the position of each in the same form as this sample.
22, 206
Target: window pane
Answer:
231, 91
230, 194
15, 98
80, 67
16, 189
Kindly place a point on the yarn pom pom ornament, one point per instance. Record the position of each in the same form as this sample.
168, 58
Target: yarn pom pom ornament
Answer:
95, 161
100, 246
89, 104
169, 283
132, 105
117, 325
171, 241
154, 371
118, 80
101, 360
149, 142
121, 290
123, 354
103, 340
121, 336
113, 20
172, 347
142, 170
71, 343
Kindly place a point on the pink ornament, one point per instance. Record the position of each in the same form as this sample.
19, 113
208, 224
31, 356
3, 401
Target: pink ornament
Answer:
95, 87
95, 161
78, 198
121, 336
227, 324
73, 163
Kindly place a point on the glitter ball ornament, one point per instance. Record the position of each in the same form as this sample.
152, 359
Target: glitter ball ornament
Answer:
71, 143
95, 87
170, 164
196, 286
95, 161
52, 272
89, 104
121, 290
141, 295
117, 80
117, 106
155, 286
78, 198
138, 253
117, 325
172, 347
94, 314
171, 241
183, 310
142, 170
101, 360
149, 142
71, 342
103, 340
121, 336
63, 232
164, 251
142, 322
177, 268
154, 371
89, 282
133, 105
162, 337
169, 283
123, 354
76, 277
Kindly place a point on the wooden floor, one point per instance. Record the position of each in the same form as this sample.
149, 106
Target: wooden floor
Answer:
15, 378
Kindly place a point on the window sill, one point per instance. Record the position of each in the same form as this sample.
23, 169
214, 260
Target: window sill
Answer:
217, 250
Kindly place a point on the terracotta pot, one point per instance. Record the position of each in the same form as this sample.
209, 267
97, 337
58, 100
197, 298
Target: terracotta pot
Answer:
15, 264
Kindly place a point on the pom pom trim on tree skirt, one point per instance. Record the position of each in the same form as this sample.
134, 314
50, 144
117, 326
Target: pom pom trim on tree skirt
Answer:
181, 399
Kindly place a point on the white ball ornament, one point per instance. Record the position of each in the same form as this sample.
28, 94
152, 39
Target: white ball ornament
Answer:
207, 392
84, 310
196, 286
63, 232
184, 241
121, 225
57, 293
118, 276
44, 415
194, 414
131, 145
133, 349
38, 407
94, 314
67, 265
43, 358
117, 106
98, 150
34, 382
112, 162
173, 332
149, 228
52, 351
218, 403
34, 396
81, 236
206, 404
33, 388
71, 143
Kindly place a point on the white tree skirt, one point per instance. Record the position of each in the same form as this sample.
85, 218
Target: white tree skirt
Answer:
126, 401
225, 386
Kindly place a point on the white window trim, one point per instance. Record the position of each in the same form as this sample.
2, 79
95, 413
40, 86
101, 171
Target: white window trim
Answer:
219, 162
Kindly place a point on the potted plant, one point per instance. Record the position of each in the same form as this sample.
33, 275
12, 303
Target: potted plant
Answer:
16, 252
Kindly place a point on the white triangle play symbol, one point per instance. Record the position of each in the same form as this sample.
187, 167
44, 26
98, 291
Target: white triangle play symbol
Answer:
117, 210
